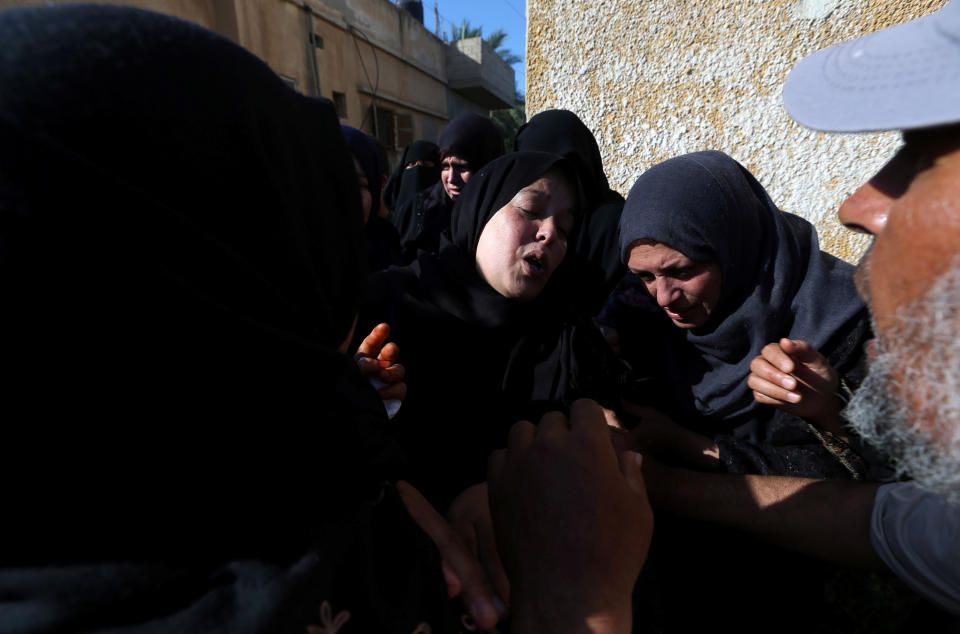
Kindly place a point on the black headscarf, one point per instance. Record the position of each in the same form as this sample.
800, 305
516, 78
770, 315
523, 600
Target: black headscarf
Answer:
776, 282
383, 241
473, 137
600, 269
364, 150
404, 182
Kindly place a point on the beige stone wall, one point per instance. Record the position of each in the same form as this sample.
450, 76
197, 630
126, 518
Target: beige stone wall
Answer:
658, 78
356, 33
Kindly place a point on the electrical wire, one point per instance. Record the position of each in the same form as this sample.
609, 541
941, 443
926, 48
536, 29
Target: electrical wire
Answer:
374, 87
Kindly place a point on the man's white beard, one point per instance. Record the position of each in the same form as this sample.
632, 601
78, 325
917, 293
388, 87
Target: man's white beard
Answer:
918, 358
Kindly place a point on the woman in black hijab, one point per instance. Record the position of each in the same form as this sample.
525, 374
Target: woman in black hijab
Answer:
732, 273
563, 133
419, 168
469, 142
181, 251
383, 242
487, 327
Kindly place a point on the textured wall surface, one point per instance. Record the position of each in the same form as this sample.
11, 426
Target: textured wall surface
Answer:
659, 78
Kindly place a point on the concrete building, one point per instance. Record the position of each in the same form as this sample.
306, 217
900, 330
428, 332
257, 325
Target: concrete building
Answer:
386, 72
659, 78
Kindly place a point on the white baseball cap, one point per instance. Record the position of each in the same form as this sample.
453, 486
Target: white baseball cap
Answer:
903, 77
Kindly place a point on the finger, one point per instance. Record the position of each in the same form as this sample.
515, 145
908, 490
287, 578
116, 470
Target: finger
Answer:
521, 435
797, 347
586, 416
392, 374
450, 577
766, 400
395, 392
762, 368
552, 423
495, 465
389, 354
369, 367
475, 592
631, 466
771, 390
778, 357
372, 343
490, 560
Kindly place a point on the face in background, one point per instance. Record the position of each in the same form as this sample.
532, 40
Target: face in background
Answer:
526, 240
454, 174
366, 198
909, 405
686, 290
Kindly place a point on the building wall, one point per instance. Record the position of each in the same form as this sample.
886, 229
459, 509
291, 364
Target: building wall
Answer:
659, 78
368, 47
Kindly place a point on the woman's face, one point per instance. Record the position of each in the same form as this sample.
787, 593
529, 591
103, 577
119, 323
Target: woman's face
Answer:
687, 291
366, 198
454, 174
524, 242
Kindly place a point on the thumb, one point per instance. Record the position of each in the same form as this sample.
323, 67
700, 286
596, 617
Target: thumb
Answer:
800, 350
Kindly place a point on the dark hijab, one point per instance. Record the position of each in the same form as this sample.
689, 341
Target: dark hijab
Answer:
776, 282
383, 241
472, 137
562, 132
404, 182
364, 150
180, 256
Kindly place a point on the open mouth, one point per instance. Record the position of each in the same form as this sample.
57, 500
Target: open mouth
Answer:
534, 263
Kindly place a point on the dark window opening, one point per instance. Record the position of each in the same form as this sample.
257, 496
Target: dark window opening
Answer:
340, 103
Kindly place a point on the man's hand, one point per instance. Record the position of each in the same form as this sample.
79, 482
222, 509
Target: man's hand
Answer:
791, 375
469, 515
656, 434
463, 573
572, 522
377, 359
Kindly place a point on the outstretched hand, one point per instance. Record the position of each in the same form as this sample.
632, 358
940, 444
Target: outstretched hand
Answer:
791, 375
377, 359
572, 522
464, 575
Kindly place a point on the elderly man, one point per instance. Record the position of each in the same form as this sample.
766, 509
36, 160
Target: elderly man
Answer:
903, 78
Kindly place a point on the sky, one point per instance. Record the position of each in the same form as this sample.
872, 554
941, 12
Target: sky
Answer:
509, 15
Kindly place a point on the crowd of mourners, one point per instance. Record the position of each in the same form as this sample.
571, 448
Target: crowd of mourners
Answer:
256, 381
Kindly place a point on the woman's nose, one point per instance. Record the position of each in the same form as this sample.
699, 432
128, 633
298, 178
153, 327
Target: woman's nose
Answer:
547, 230
665, 290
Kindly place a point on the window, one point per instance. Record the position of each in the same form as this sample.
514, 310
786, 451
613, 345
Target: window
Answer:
394, 130
340, 103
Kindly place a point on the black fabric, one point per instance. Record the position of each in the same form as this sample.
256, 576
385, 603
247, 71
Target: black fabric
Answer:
364, 150
180, 255
383, 242
562, 132
776, 282
405, 182
476, 361
473, 138
420, 221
